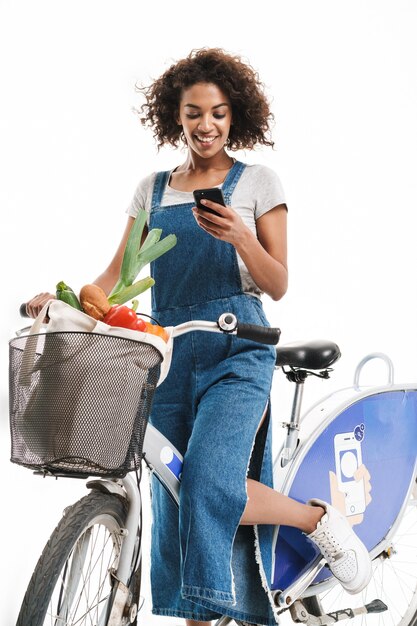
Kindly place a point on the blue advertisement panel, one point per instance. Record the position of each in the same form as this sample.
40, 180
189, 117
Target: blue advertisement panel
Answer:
362, 463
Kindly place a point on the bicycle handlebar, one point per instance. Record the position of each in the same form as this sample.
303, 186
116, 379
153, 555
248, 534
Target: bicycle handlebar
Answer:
227, 324
260, 334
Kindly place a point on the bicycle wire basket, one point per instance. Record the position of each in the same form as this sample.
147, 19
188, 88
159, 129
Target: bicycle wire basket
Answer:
84, 408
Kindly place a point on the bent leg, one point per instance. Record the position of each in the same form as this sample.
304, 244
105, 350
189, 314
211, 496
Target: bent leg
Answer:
267, 506
213, 489
346, 555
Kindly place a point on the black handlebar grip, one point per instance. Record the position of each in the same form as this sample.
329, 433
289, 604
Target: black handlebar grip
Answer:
22, 310
260, 334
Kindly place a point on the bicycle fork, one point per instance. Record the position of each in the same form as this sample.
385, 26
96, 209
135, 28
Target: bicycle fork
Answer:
120, 598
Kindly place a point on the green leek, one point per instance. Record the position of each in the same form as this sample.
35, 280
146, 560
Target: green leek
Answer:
135, 258
131, 291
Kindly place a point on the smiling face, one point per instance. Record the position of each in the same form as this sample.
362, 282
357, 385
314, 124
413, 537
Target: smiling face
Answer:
205, 115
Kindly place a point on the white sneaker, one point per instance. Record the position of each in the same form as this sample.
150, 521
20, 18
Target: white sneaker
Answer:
346, 555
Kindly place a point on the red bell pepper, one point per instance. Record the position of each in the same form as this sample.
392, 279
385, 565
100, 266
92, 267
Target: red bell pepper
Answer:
125, 317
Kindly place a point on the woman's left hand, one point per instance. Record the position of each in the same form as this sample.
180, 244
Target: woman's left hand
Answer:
226, 226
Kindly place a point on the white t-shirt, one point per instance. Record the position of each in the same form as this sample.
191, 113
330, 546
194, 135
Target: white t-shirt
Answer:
258, 191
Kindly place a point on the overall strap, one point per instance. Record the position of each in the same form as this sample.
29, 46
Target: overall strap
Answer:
232, 180
159, 188
200, 268
229, 184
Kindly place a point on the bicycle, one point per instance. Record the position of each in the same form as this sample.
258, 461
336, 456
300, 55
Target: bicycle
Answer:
90, 569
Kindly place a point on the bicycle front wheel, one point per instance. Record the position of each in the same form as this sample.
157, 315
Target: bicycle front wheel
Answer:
394, 580
71, 584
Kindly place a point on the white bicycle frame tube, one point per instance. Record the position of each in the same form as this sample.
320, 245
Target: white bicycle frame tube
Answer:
157, 454
163, 460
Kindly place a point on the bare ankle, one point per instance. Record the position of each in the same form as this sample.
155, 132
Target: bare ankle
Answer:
313, 517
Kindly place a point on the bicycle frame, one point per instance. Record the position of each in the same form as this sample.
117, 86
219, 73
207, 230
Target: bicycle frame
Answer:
165, 462
332, 429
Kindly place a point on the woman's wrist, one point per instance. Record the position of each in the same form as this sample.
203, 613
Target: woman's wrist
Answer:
269, 274
246, 241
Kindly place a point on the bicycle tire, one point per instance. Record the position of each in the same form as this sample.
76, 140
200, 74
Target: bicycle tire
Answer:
71, 579
394, 580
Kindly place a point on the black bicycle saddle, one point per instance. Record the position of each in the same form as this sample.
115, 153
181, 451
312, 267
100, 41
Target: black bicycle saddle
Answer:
309, 355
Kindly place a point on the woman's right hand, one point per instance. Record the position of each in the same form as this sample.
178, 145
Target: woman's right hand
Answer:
34, 306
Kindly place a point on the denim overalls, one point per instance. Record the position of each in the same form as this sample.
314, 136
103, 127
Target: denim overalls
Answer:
203, 564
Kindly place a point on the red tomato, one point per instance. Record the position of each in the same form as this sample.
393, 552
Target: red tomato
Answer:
124, 317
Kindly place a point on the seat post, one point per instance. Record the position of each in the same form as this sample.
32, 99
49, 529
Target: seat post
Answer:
293, 426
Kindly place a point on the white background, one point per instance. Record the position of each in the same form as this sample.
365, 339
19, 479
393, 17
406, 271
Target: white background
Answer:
342, 77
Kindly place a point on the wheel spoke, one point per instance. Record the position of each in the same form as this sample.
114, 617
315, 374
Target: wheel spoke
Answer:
75, 572
87, 577
91, 605
85, 585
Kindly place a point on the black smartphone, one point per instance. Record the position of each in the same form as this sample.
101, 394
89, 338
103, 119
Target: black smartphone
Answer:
213, 193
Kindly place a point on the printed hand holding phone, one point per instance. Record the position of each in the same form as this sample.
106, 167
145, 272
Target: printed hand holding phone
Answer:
350, 486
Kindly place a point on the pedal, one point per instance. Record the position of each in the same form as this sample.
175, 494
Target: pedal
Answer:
300, 614
376, 606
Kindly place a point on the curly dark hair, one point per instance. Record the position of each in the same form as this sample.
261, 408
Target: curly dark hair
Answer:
251, 113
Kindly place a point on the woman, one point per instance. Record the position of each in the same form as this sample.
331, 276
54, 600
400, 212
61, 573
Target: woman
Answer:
214, 404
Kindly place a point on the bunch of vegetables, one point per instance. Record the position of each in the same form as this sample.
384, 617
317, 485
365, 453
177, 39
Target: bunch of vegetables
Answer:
111, 310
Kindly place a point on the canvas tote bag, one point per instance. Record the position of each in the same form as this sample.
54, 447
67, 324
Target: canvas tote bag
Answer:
83, 384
